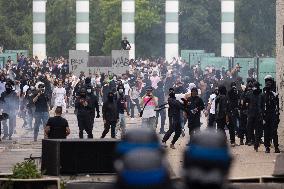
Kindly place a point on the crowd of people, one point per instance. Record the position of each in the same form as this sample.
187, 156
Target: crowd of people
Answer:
32, 88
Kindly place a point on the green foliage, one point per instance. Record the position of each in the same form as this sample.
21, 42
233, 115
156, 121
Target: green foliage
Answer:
61, 27
26, 170
150, 27
16, 24
200, 23
255, 27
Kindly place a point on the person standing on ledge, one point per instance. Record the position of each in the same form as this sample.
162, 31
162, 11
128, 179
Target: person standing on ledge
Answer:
125, 45
57, 127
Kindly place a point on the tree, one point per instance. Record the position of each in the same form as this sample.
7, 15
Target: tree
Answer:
255, 27
16, 24
200, 23
61, 27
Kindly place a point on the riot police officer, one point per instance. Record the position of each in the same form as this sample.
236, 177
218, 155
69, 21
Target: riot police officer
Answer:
271, 115
83, 109
194, 106
94, 103
207, 161
233, 111
221, 106
255, 104
174, 112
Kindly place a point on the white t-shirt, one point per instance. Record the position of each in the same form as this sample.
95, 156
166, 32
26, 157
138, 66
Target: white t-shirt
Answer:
59, 94
149, 110
127, 88
212, 99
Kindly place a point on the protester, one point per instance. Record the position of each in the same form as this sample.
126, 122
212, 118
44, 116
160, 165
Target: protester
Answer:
39, 85
57, 127
149, 102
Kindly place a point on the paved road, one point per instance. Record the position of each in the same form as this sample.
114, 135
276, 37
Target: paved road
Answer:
246, 163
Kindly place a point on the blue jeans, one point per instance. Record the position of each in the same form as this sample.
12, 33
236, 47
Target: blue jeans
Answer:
40, 118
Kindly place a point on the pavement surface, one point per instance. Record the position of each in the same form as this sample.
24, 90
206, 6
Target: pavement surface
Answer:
247, 163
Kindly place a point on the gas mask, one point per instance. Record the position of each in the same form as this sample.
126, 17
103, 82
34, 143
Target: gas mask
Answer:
89, 90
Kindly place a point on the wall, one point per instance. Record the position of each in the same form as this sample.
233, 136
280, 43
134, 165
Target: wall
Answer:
280, 61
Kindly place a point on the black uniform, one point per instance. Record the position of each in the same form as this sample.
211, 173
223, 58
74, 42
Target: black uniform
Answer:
233, 112
84, 108
243, 116
175, 108
193, 108
110, 116
255, 117
221, 107
94, 103
271, 118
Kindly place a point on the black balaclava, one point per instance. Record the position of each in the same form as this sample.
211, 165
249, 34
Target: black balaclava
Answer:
83, 93
207, 160
9, 87
110, 97
256, 88
172, 93
222, 90
269, 82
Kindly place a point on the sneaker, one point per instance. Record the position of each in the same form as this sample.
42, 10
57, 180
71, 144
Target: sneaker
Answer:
4, 137
10, 138
164, 145
277, 150
183, 133
267, 150
172, 146
233, 144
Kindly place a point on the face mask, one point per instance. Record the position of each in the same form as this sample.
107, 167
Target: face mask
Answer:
120, 91
89, 90
8, 89
254, 88
110, 98
172, 94
32, 87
